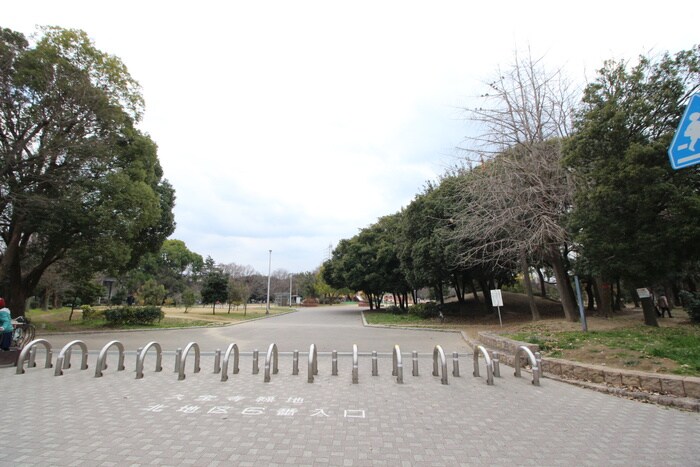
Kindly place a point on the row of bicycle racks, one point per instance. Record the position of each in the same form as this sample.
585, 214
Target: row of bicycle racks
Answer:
232, 354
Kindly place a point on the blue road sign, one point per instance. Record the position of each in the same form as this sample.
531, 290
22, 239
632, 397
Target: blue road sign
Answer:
685, 147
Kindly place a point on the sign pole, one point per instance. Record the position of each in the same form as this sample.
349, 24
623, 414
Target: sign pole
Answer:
579, 299
497, 301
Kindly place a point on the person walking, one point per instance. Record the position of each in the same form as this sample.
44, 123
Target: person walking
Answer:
663, 306
5, 326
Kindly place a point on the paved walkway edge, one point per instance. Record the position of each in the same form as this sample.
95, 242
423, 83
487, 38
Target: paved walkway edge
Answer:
408, 328
669, 390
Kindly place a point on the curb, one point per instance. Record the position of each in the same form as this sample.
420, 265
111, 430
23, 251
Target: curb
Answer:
407, 328
683, 401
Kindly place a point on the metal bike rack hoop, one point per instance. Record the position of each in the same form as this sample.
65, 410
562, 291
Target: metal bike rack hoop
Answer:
489, 364
355, 365
183, 359
102, 358
313, 363
272, 354
26, 351
142, 356
439, 353
533, 364
398, 365
63, 360
227, 356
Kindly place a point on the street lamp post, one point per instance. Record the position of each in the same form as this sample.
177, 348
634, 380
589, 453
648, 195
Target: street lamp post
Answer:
269, 271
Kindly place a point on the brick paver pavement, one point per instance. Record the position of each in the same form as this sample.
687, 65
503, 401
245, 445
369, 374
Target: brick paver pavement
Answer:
77, 419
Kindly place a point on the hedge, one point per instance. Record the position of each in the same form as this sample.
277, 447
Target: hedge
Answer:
134, 315
425, 310
691, 303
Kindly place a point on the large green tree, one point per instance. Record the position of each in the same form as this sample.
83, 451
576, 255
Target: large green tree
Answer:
77, 180
354, 265
635, 217
173, 265
214, 289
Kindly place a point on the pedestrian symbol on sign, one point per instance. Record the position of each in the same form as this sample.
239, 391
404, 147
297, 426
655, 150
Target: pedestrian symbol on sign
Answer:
685, 147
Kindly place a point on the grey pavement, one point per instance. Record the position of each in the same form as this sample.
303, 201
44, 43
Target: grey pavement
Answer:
77, 419
336, 328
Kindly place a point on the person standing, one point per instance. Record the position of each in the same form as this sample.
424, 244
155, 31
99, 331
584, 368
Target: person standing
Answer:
5, 326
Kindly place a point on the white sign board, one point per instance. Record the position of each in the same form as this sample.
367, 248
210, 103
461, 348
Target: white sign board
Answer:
496, 297
643, 293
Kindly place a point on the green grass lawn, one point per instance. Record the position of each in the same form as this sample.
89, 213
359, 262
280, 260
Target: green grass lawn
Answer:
680, 344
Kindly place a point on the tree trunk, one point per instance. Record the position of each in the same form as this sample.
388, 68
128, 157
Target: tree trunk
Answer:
45, 299
590, 295
460, 286
474, 292
635, 297
618, 296
16, 301
440, 293
649, 312
605, 297
455, 285
564, 288
525, 268
485, 292
543, 289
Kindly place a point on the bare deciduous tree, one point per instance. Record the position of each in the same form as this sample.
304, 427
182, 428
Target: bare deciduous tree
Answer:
524, 105
511, 207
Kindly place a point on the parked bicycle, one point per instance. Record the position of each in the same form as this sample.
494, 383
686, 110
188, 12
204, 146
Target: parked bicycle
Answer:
23, 333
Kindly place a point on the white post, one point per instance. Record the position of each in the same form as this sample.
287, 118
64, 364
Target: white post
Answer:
269, 272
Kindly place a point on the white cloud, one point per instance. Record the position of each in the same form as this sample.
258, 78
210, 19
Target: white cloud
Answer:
290, 125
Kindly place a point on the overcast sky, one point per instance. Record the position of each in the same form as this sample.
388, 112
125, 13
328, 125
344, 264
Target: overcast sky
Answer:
290, 125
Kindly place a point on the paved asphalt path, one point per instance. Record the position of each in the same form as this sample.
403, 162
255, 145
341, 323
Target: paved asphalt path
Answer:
330, 328
117, 420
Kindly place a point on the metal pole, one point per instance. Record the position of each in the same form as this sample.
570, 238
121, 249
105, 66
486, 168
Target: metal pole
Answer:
290, 290
269, 272
579, 299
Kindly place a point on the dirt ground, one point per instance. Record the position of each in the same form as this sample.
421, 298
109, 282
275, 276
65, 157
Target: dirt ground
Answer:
222, 315
516, 318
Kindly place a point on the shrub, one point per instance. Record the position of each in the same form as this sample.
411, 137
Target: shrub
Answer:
134, 315
88, 312
394, 310
116, 300
426, 310
691, 304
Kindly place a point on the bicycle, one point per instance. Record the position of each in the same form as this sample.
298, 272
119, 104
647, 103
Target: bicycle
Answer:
23, 333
